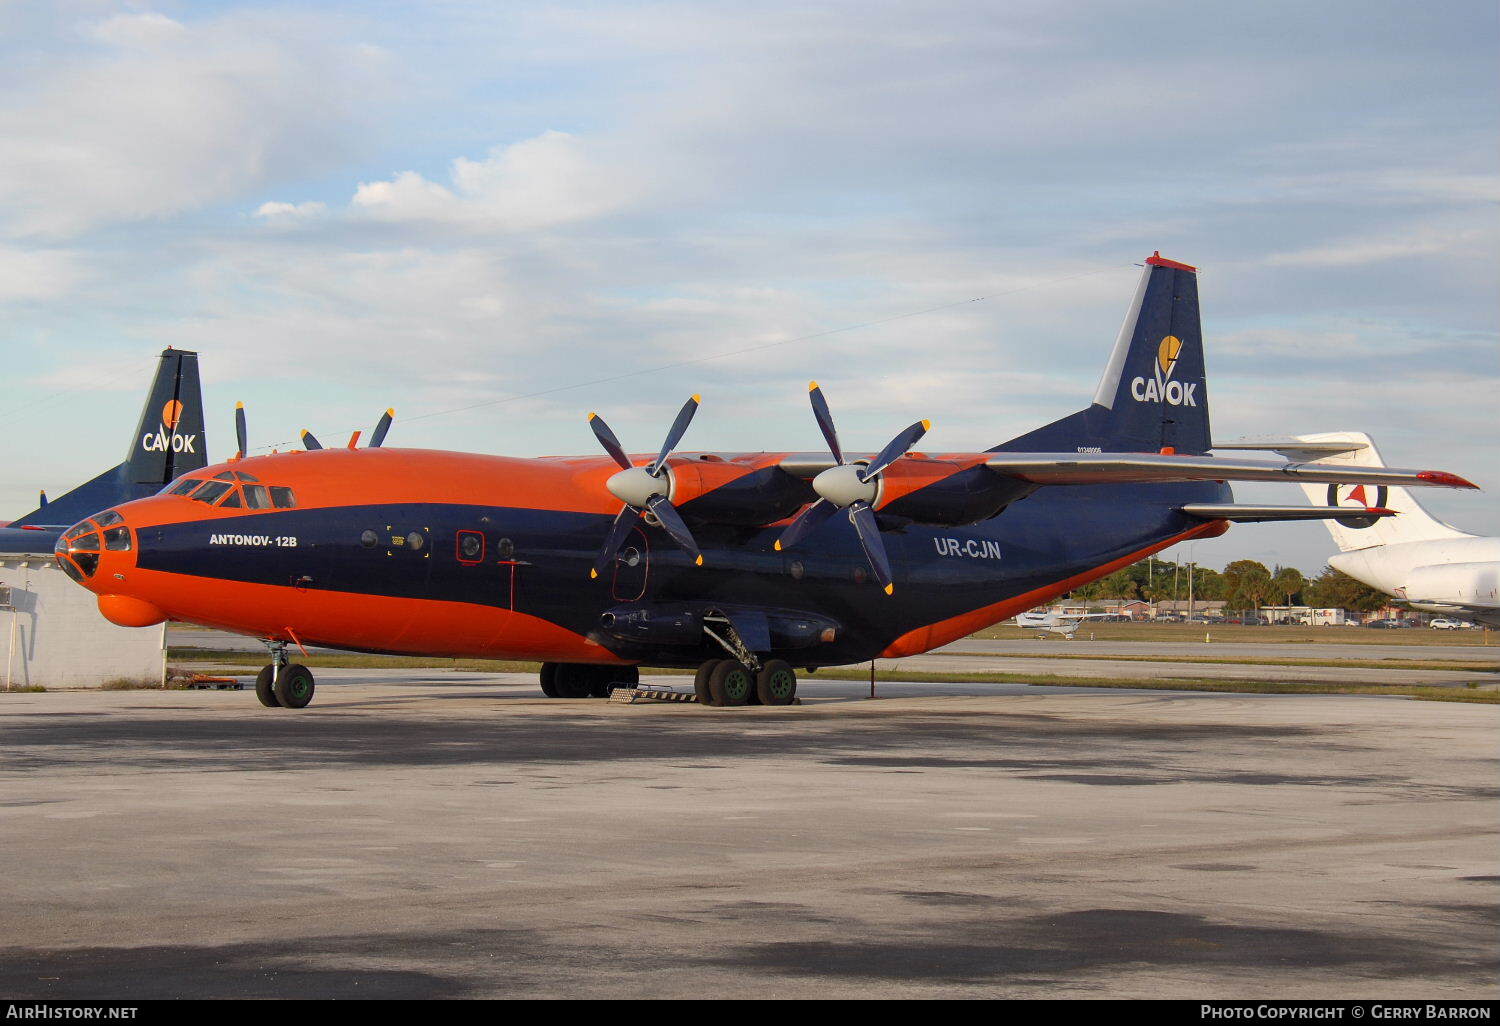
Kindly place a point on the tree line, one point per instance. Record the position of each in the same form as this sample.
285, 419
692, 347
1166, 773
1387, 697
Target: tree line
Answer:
1243, 584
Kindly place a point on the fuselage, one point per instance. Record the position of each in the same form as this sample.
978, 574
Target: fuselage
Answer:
442, 553
1459, 575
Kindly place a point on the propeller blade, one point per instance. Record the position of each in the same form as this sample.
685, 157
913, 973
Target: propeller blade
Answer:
825, 421
895, 449
863, 519
241, 434
609, 441
679, 428
377, 437
41, 500
618, 532
672, 523
309, 442
810, 520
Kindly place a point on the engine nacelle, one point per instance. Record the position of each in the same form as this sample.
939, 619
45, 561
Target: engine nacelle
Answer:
946, 493
737, 493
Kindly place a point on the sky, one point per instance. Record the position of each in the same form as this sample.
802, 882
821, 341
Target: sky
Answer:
497, 217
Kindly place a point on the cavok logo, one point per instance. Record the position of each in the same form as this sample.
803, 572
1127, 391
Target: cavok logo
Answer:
1357, 497
167, 438
1161, 388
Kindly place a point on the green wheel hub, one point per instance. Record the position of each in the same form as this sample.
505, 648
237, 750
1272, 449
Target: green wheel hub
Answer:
737, 683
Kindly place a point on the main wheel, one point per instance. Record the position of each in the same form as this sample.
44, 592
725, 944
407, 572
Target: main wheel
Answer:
731, 683
264, 689
573, 680
294, 686
700, 682
549, 679
776, 683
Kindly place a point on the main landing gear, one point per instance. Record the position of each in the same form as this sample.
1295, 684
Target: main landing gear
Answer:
283, 684
722, 682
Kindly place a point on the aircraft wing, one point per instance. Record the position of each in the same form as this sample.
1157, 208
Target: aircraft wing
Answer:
1065, 468
1110, 468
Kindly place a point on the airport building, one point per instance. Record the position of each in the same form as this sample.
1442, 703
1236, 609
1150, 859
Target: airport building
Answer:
55, 637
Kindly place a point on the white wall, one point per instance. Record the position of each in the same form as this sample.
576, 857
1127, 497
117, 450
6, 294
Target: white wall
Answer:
55, 637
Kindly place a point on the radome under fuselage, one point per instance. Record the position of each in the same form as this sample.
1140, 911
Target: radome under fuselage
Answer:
305, 574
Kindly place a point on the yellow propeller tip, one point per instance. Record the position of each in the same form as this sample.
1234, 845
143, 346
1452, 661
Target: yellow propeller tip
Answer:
926, 425
697, 398
239, 406
592, 415
890, 589
304, 433
777, 546
593, 573
699, 561
390, 411
812, 386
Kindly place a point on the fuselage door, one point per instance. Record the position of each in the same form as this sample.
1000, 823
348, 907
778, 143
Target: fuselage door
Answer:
632, 567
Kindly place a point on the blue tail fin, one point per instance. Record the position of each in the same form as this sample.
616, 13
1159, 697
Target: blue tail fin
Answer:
167, 443
1154, 394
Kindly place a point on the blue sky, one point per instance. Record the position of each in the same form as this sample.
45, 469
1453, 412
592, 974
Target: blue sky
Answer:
433, 206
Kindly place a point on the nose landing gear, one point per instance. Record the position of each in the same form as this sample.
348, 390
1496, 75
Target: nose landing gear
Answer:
283, 684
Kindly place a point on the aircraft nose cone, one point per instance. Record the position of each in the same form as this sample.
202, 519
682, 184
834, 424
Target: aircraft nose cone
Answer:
636, 486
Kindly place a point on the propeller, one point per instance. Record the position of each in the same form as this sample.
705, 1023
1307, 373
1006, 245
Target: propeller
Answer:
851, 487
241, 434
310, 441
643, 490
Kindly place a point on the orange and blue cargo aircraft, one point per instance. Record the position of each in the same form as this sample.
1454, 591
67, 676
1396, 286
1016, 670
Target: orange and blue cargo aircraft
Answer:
746, 566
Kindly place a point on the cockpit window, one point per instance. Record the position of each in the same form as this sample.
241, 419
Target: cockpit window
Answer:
211, 491
117, 539
228, 490
108, 517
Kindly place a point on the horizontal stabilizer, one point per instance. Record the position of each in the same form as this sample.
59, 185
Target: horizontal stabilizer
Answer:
1241, 513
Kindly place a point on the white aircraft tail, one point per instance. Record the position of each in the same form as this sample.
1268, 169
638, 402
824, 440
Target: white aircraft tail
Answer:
1354, 448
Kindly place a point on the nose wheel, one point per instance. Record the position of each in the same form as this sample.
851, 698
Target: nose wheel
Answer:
283, 684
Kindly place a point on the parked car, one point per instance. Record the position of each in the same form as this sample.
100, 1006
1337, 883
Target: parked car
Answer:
1389, 624
1442, 623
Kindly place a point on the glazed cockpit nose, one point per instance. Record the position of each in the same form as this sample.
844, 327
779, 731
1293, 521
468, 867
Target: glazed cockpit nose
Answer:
79, 548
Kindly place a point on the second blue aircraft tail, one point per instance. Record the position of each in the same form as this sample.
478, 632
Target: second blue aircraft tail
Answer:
167, 443
1153, 396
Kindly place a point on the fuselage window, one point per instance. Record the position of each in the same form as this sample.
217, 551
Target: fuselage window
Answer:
415, 541
470, 546
369, 539
117, 539
506, 548
210, 491
282, 497
257, 497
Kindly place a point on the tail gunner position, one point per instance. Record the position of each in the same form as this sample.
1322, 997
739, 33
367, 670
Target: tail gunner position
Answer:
743, 565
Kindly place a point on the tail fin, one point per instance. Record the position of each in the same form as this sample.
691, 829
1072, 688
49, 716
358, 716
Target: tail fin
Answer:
168, 442
1154, 393
1412, 522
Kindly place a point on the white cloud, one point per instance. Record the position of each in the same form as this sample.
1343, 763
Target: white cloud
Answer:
29, 273
159, 116
286, 212
551, 179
